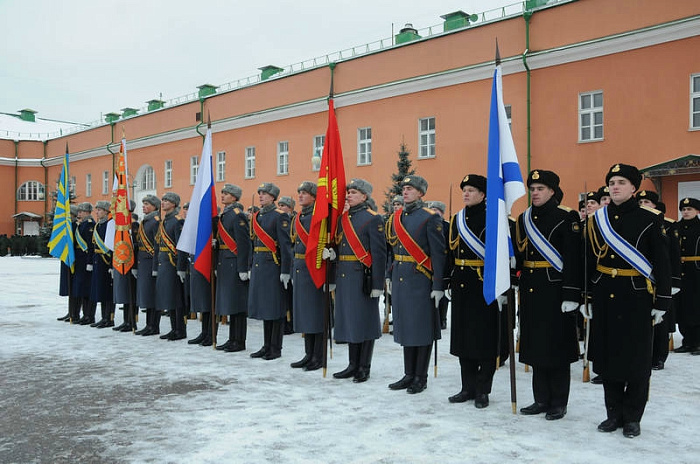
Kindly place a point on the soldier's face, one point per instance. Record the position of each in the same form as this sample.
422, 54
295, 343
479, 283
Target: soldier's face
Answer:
471, 195
354, 197
647, 203
100, 213
396, 206
591, 206
605, 200
83, 214
227, 198
286, 209
265, 198
147, 207
166, 205
540, 194
305, 199
410, 194
688, 212
621, 189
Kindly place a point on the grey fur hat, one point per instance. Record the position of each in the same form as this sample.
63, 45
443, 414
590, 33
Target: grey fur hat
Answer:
85, 206
308, 187
417, 182
102, 204
360, 185
74, 210
234, 190
172, 197
153, 200
287, 201
437, 205
269, 187
397, 199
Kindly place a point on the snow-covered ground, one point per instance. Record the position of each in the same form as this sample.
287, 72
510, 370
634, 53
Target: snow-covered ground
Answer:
78, 394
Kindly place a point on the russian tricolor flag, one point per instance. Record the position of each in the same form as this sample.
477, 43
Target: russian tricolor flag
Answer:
504, 186
196, 234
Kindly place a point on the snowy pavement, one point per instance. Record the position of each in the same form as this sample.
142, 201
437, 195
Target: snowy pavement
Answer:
73, 394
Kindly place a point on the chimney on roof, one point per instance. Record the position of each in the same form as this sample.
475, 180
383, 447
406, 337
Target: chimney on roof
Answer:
126, 112
407, 34
269, 71
27, 115
206, 89
111, 117
155, 104
457, 20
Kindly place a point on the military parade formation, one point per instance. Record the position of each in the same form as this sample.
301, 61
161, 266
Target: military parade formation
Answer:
608, 283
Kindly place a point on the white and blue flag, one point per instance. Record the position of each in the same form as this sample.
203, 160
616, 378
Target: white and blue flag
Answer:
505, 185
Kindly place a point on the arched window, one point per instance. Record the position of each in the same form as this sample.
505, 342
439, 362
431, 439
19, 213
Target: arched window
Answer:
149, 179
31, 191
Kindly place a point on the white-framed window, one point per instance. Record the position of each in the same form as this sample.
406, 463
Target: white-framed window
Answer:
88, 185
426, 138
364, 146
168, 174
194, 169
71, 186
31, 190
149, 179
105, 182
220, 166
319, 142
695, 101
282, 158
249, 162
590, 116
508, 117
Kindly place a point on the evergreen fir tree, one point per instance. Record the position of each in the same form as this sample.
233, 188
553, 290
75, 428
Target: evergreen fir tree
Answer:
404, 169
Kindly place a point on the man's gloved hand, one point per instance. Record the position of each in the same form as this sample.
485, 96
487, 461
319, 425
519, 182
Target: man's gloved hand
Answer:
181, 275
658, 315
329, 253
437, 295
111, 272
244, 276
154, 273
586, 311
502, 301
213, 243
675, 290
284, 278
88, 267
375, 293
135, 273
331, 287
568, 306
387, 282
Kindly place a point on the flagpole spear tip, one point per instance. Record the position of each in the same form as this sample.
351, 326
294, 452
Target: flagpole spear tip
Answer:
66, 147
208, 120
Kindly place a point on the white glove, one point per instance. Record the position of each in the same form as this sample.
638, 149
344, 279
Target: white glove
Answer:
448, 293
216, 273
502, 301
376, 293
111, 272
88, 267
512, 262
213, 243
328, 253
331, 287
244, 276
284, 278
154, 273
181, 275
658, 315
437, 294
568, 306
586, 311
135, 273
675, 290
388, 285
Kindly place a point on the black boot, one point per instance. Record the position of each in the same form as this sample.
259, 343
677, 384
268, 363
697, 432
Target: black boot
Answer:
74, 305
267, 334
353, 362
206, 330
467, 393
149, 322
240, 330
180, 328
231, 336
173, 327
308, 349
202, 335
275, 340
155, 322
316, 361
366, 350
409, 369
420, 381
110, 315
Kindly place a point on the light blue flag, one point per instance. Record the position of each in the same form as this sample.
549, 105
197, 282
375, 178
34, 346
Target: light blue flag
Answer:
61, 241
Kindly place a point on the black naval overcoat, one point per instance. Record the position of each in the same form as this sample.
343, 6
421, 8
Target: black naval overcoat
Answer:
101, 285
265, 291
356, 314
167, 262
308, 301
689, 297
416, 320
231, 291
621, 331
82, 278
145, 244
547, 335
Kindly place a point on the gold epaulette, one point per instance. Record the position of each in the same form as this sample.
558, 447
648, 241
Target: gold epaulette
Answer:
372, 212
565, 208
236, 211
425, 208
279, 210
156, 218
655, 211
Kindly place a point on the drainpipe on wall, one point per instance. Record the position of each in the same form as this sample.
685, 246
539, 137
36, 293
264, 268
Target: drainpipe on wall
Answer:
201, 119
16, 177
527, 15
109, 146
46, 181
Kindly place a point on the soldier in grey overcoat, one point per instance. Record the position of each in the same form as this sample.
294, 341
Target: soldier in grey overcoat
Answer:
169, 267
416, 281
308, 301
145, 281
233, 267
124, 285
287, 204
272, 259
359, 285
82, 277
101, 284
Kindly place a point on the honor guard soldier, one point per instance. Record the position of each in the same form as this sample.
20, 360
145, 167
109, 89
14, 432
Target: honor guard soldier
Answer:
124, 285
548, 255
604, 196
631, 277
101, 285
145, 281
308, 303
287, 204
169, 267
359, 278
475, 324
199, 296
416, 235
688, 308
84, 256
438, 208
272, 257
65, 278
233, 267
